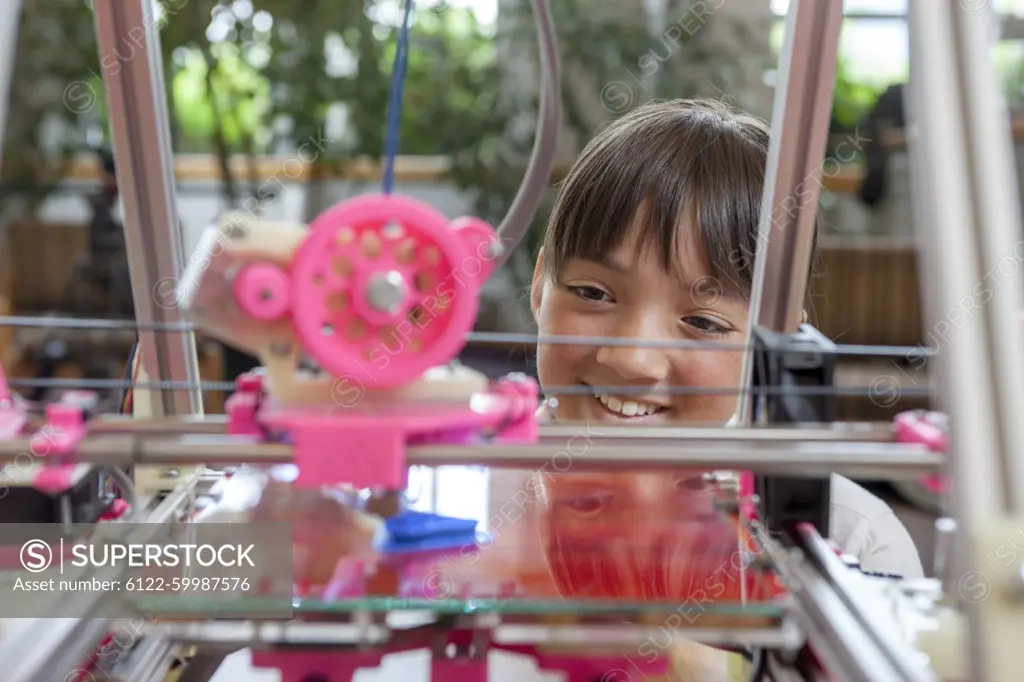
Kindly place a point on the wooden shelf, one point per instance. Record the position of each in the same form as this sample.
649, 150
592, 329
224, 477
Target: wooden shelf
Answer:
195, 168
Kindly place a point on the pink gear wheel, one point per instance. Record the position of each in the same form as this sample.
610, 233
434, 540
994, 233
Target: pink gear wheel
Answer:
378, 291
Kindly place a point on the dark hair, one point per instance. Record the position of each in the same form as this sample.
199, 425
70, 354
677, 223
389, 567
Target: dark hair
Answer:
667, 158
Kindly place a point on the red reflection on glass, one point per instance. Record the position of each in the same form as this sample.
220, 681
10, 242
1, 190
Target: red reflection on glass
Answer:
646, 537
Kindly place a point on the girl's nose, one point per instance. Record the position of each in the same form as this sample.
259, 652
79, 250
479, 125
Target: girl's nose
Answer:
637, 361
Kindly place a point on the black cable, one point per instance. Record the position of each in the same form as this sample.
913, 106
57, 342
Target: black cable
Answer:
129, 389
127, 378
759, 666
875, 574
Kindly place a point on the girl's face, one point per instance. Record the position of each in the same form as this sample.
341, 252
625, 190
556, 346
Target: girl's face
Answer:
631, 295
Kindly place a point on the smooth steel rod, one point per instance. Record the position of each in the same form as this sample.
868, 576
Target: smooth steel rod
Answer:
10, 22
840, 432
553, 455
847, 649
232, 634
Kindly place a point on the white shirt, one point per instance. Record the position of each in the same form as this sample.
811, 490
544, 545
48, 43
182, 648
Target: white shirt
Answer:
865, 527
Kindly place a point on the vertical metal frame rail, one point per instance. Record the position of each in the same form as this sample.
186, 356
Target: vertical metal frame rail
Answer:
10, 21
969, 231
792, 186
130, 61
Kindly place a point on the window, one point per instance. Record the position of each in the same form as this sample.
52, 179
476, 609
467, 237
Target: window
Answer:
873, 43
873, 46
459, 491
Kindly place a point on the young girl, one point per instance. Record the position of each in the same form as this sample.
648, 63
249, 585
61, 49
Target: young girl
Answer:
653, 237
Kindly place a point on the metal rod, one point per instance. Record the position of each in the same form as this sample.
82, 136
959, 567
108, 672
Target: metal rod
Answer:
880, 432
208, 424
852, 391
993, 173
968, 224
839, 433
579, 453
800, 127
481, 338
54, 649
1000, 373
798, 459
341, 635
868, 610
945, 225
10, 22
137, 104
848, 650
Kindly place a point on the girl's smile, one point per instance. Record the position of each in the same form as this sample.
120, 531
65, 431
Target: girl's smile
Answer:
633, 409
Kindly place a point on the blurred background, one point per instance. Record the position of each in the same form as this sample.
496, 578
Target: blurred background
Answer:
278, 106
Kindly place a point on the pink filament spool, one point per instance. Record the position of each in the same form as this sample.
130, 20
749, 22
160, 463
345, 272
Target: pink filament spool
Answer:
385, 288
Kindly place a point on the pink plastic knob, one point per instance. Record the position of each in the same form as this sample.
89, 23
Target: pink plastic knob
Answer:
263, 291
483, 244
381, 289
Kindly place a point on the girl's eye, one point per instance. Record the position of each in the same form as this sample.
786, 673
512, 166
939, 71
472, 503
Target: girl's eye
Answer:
589, 504
590, 293
705, 326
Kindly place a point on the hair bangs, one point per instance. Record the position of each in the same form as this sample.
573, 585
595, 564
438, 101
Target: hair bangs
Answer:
654, 168
614, 182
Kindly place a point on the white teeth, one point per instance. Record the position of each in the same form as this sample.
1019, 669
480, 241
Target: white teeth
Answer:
629, 408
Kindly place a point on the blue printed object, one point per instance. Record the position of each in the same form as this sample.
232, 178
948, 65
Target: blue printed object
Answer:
411, 526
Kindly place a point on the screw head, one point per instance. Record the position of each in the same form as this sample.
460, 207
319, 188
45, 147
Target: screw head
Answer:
386, 291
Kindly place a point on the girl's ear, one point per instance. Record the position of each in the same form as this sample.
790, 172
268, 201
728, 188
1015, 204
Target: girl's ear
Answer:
537, 288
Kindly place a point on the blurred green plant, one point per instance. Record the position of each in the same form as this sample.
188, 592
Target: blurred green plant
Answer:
255, 82
696, 55
1009, 60
240, 98
252, 77
853, 99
